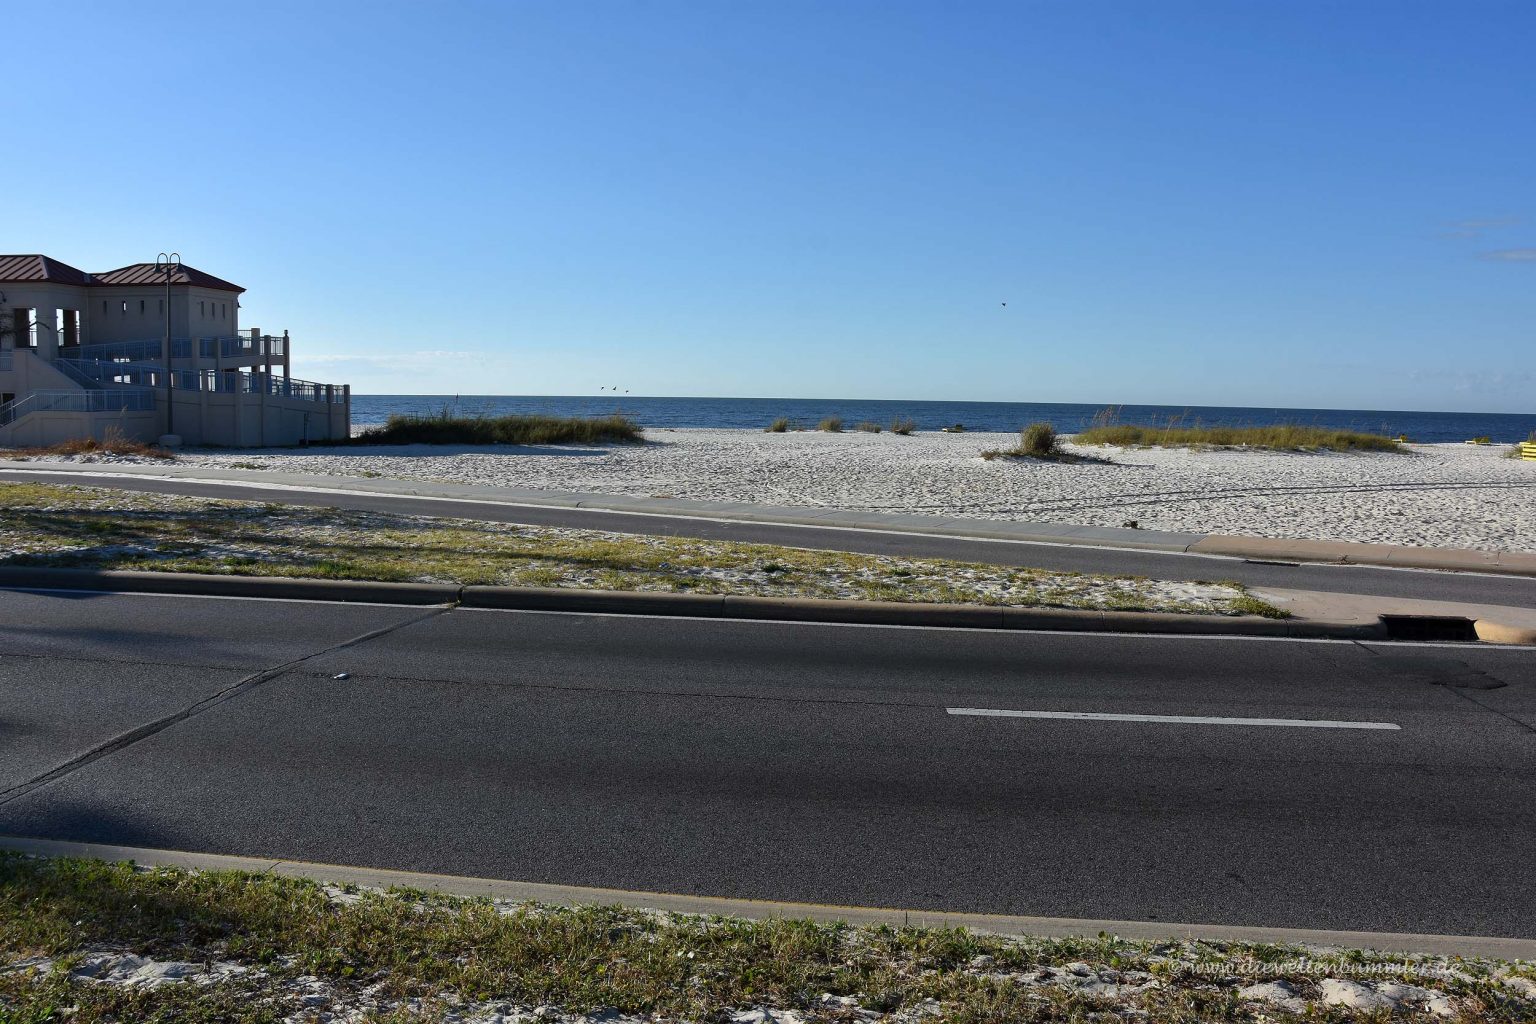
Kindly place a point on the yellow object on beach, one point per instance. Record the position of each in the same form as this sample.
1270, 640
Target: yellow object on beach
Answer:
1528, 451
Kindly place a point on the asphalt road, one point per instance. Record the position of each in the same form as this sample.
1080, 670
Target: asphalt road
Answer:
787, 761
1469, 588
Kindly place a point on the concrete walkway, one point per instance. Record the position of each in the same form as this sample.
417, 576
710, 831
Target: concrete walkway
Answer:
1263, 548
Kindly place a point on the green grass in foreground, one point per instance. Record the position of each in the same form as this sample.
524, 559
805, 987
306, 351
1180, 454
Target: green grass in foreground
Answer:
1285, 437
447, 951
48, 524
446, 428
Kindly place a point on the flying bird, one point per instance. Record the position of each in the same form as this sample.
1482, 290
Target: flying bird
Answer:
1005, 303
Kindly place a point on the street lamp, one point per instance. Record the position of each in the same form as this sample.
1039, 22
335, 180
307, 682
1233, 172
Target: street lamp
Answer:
168, 264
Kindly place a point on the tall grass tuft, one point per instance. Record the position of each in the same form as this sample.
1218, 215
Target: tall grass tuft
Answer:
778, 426
1036, 441
868, 427
446, 428
1039, 440
903, 425
832, 425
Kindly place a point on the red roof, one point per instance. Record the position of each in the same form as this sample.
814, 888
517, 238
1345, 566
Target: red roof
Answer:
148, 273
40, 268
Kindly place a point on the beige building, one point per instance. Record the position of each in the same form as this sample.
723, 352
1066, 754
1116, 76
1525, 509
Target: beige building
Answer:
84, 354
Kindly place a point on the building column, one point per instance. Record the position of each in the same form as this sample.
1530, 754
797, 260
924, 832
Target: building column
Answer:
71, 339
47, 332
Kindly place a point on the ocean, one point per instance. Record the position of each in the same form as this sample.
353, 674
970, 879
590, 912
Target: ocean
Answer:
756, 413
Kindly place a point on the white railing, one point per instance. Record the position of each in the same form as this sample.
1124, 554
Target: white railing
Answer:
119, 400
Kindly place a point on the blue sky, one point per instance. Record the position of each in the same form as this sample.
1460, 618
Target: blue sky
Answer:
1220, 203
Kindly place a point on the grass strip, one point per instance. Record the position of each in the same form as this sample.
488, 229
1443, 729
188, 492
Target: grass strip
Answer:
406, 955
48, 524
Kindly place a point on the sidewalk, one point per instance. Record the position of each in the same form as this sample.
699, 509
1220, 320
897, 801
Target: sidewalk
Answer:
1258, 548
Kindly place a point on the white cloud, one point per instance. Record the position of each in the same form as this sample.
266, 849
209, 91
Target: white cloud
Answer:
1511, 255
1478, 228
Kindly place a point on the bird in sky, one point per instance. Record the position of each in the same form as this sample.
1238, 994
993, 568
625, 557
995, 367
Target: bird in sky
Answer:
1005, 304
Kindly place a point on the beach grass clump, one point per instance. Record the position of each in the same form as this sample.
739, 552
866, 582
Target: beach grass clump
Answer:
831, 425
1039, 441
868, 427
446, 428
903, 425
1515, 452
778, 426
1036, 441
1284, 437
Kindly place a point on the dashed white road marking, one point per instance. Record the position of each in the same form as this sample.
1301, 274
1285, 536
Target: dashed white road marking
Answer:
1093, 716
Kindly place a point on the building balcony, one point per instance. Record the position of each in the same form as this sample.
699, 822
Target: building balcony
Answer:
251, 348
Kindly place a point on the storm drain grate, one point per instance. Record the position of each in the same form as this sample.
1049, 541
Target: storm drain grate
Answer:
1429, 627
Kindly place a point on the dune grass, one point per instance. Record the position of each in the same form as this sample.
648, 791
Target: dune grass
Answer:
778, 426
1288, 437
1036, 441
831, 425
868, 427
447, 428
1039, 441
903, 425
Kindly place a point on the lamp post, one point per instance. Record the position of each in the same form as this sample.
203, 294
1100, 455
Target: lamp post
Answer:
168, 264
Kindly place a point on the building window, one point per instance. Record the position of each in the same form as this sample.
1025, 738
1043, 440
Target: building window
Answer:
125, 307
141, 307
224, 311
103, 305
161, 304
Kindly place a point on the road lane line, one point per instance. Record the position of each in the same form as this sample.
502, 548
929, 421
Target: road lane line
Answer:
1091, 716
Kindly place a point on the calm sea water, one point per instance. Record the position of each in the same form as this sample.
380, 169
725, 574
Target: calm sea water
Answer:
756, 413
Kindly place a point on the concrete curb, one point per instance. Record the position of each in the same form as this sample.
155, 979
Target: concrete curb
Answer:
997, 924
713, 606
197, 584
1499, 633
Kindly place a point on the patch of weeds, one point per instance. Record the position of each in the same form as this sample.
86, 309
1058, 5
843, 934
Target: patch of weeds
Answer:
1247, 604
112, 442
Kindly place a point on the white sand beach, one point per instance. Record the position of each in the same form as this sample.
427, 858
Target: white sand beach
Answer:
1435, 495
